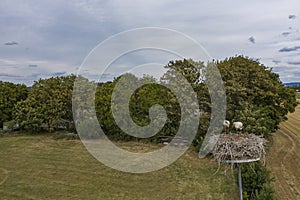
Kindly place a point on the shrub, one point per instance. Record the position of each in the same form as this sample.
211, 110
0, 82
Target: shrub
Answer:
267, 192
1, 133
10, 125
257, 181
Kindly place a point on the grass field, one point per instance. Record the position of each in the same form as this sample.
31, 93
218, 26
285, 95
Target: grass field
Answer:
283, 158
39, 167
298, 95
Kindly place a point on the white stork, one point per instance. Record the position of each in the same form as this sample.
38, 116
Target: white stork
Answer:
226, 125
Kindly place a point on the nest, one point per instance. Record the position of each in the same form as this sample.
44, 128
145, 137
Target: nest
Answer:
239, 147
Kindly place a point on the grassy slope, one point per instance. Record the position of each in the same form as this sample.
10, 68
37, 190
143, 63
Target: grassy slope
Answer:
38, 167
283, 158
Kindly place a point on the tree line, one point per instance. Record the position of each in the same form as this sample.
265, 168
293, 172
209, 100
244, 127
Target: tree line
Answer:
254, 94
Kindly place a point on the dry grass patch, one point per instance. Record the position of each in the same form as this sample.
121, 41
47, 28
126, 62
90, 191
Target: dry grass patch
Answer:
283, 158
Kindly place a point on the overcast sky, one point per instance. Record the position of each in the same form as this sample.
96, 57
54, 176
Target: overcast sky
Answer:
49, 38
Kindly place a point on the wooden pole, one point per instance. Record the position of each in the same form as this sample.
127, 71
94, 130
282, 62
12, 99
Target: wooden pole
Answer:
240, 181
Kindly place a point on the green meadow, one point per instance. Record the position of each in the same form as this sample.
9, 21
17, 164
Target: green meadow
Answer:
40, 167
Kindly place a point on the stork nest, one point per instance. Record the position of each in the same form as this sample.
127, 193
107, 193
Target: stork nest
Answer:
239, 147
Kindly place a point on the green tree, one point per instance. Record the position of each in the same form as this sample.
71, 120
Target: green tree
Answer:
194, 73
152, 94
10, 94
48, 105
140, 103
104, 112
255, 93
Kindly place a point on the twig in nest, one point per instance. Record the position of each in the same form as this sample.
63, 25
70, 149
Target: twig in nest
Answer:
234, 147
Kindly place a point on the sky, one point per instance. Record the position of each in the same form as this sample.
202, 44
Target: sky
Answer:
40, 39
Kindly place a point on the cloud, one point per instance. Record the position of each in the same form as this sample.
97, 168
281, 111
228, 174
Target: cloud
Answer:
11, 43
294, 62
252, 40
286, 33
287, 49
60, 37
292, 16
276, 61
24, 71
58, 73
10, 75
108, 76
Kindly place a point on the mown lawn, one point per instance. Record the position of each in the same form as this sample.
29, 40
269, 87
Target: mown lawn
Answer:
39, 167
283, 158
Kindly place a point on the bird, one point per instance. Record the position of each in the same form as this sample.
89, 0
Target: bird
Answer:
226, 125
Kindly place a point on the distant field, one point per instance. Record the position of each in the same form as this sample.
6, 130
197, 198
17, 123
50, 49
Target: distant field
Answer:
283, 158
298, 95
38, 167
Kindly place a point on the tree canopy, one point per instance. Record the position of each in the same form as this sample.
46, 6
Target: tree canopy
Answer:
10, 94
48, 105
255, 95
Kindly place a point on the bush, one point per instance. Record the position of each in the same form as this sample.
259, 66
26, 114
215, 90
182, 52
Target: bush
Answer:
256, 181
1, 133
11, 125
267, 192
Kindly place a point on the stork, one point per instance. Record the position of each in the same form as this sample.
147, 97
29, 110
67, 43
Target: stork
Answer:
226, 125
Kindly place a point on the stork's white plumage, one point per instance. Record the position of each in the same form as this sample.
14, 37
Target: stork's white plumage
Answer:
237, 126
226, 125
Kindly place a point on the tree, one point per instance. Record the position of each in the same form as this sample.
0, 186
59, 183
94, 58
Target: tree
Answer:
140, 102
254, 93
104, 112
194, 73
48, 105
10, 94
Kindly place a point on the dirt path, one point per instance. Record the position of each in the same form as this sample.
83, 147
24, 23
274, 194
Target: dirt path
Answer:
283, 158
